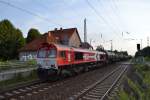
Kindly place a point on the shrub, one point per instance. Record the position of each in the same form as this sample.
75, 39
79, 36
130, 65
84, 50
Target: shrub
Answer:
31, 62
147, 58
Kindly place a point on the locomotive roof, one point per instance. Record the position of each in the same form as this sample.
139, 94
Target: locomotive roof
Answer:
65, 47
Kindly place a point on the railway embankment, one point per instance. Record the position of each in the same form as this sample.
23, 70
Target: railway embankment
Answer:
13, 73
136, 85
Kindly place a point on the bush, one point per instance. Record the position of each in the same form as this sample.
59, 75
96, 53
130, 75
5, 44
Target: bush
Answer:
135, 89
147, 58
31, 62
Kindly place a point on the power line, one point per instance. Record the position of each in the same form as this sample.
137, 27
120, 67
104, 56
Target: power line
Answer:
148, 41
29, 12
45, 7
97, 13
110, 16
117, 12
101, 17
71, 8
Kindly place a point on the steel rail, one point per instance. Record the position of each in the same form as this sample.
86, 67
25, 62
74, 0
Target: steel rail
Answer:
95, 84
115, 82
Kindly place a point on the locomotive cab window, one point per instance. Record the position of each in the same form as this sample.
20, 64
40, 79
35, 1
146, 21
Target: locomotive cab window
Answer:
52, 53
63, 54
42, 53
78, 55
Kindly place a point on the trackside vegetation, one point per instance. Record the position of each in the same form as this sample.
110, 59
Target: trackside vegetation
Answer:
147, 59
9, 65
19, 79
136, 85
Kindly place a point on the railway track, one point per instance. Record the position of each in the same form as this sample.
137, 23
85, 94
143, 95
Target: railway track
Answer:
101, 89
58, 90
26, 91
19, 89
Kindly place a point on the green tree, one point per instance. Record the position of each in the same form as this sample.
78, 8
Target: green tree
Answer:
144, 52
20, 41
100, 48
9, 40
32, 34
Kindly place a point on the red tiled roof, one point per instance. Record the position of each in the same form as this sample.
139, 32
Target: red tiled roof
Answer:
34, 45
86, 45
49, 37
62, 32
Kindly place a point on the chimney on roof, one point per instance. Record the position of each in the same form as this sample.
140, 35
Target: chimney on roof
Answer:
49, 34
55, 29
61, 28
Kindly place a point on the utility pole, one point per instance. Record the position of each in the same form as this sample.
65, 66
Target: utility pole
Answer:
101, 36
90, 41
85, 31
101, 39
111, 45
147, 41
141, 43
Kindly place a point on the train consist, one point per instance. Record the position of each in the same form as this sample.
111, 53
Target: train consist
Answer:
59, 60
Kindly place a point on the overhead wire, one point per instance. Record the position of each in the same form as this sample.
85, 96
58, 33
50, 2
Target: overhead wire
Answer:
115, 25
28, 12
117, 13
118, 23
71, 8
105, 21
101, 17
45, 7
109, 17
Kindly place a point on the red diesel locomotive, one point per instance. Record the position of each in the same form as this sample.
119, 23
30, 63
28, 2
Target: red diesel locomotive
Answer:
55, 59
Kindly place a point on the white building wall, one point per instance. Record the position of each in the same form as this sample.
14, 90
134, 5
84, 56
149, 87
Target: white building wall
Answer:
28, 55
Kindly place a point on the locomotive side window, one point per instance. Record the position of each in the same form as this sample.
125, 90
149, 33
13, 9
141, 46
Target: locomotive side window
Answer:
78, 55
52, 53
62, 54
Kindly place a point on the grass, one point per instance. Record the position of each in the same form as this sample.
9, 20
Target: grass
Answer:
122, 95
8, 65
147, 58
18, 79
142, 92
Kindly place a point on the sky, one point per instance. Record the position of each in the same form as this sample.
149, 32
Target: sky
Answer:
110, 18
